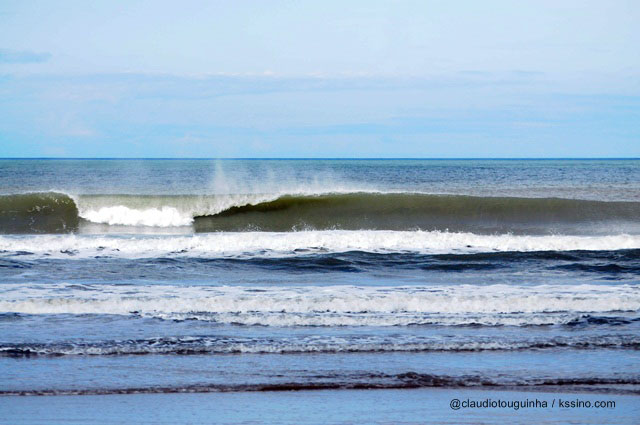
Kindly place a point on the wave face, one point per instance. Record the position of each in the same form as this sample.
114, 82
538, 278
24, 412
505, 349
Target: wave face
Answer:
59, 213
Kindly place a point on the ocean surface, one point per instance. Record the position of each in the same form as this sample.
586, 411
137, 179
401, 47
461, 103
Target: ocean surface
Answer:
244, 276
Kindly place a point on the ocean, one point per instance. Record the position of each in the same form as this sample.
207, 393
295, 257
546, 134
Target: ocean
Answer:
255, 278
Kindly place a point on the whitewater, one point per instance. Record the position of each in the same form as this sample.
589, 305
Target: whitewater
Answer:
285, 244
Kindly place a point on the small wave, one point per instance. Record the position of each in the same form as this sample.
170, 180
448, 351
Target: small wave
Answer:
365, 344
490, 305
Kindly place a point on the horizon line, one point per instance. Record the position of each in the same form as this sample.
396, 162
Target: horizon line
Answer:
321, 158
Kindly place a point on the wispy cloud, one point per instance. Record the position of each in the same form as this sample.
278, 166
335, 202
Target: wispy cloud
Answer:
474, 113
23, 56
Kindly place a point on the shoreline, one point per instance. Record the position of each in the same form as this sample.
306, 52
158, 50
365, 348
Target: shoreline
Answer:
634, 390
412, 406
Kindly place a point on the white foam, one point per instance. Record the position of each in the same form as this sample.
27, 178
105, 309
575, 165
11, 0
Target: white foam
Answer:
329, 305
121, 215
317, 344
259, 244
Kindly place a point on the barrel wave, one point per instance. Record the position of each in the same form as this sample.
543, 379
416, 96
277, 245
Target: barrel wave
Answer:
52, 212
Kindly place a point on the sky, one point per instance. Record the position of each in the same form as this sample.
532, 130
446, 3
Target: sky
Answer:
254, 79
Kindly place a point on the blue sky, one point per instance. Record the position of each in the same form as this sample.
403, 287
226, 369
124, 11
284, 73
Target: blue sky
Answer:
320, 79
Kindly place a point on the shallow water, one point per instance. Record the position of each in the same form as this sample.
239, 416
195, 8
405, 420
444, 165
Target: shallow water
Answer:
413, 406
